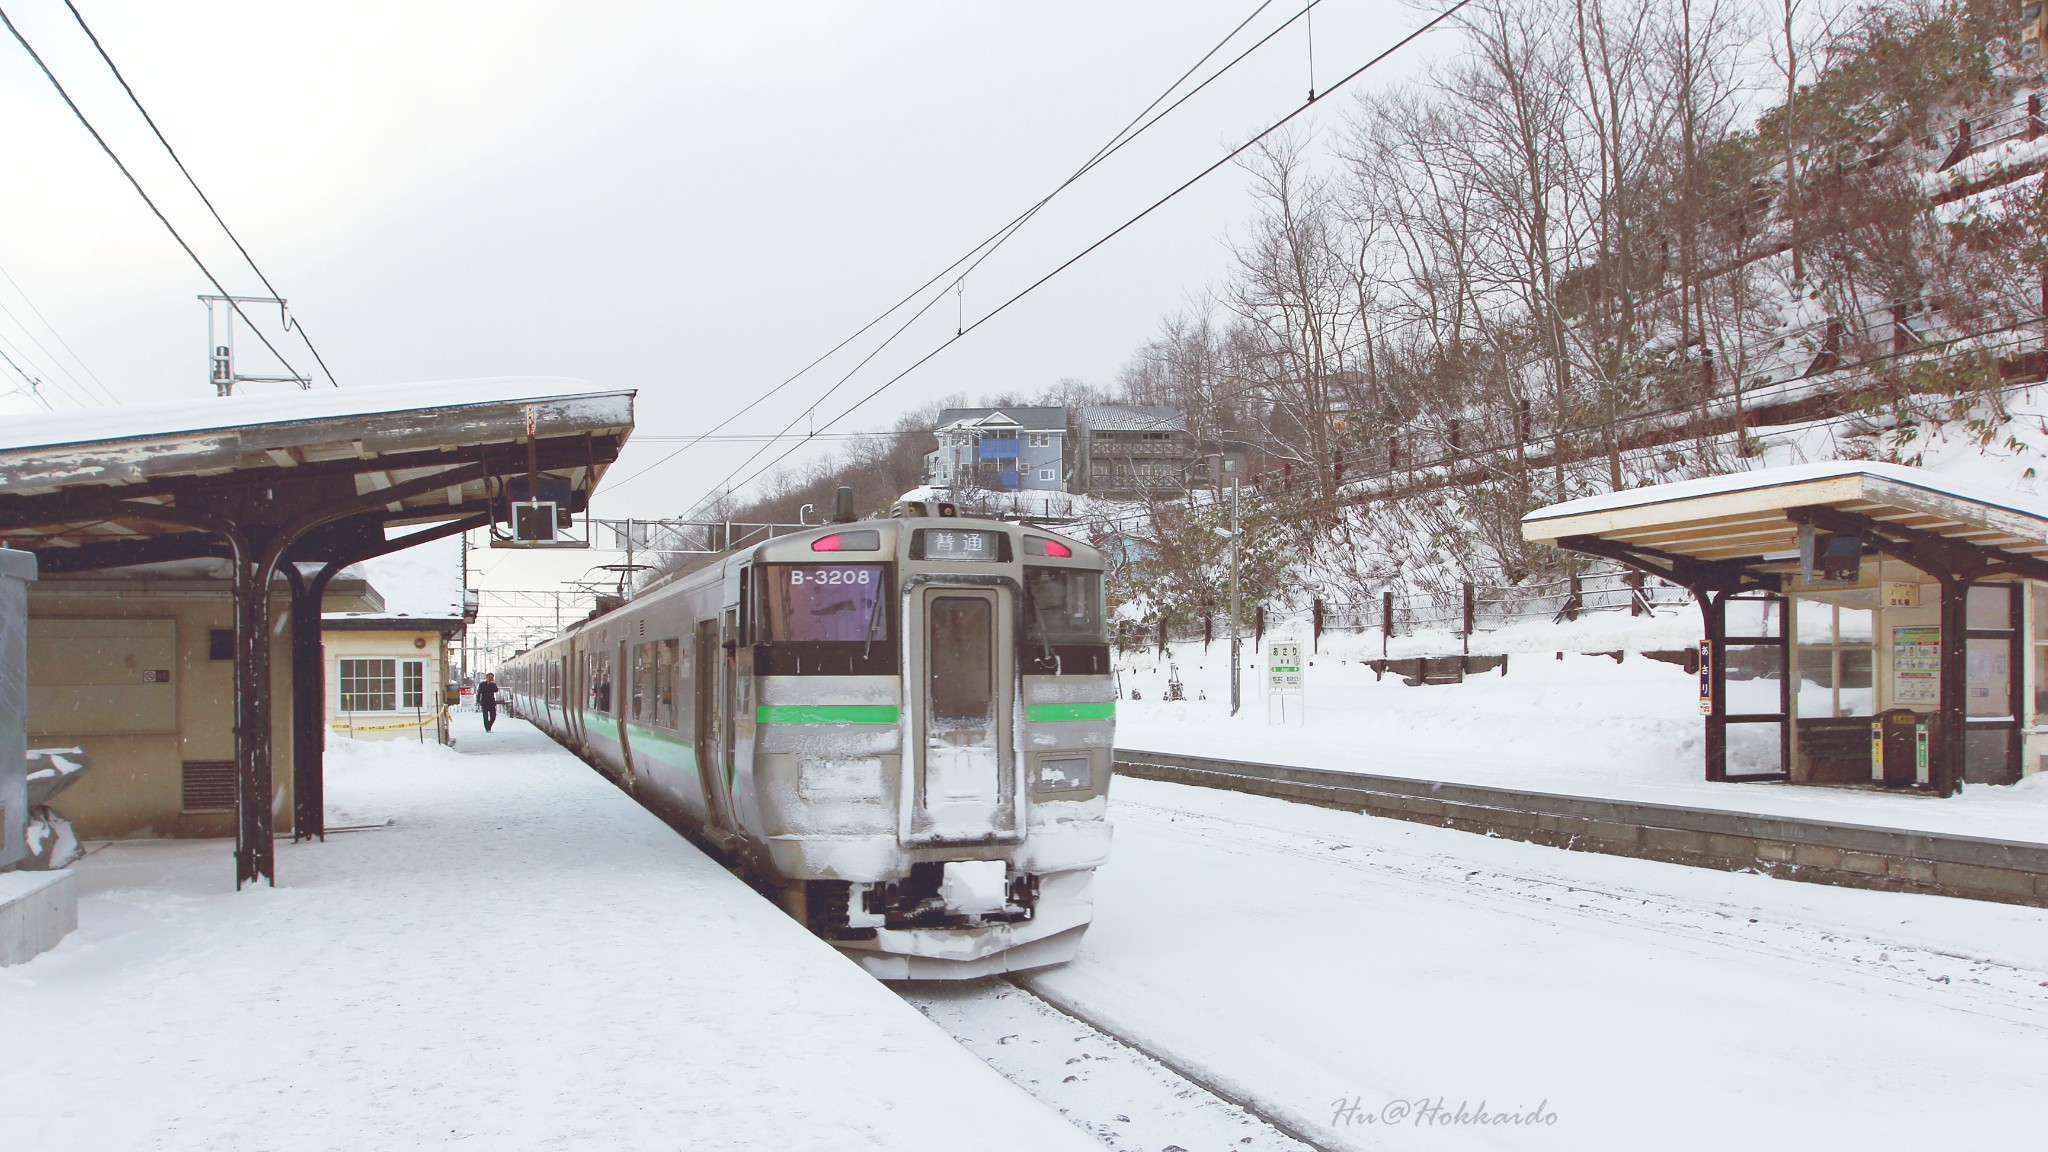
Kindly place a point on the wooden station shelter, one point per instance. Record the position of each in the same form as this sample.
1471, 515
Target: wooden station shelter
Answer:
260, 502
1864, 622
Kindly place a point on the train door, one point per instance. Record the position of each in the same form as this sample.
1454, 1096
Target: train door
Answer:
618, 703
729, 698
711, 725
575, 693
961, 694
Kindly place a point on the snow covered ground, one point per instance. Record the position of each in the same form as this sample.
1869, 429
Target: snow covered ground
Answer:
512, 955
1582, 725
1366, 980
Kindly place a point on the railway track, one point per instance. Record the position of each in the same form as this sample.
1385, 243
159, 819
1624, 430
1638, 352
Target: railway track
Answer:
1109, 1084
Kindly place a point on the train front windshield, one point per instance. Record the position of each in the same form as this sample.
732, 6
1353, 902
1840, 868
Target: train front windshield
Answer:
1063, 622
825, 620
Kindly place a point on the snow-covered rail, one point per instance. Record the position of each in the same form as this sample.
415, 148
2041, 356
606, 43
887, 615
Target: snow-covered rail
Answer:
1107, 1082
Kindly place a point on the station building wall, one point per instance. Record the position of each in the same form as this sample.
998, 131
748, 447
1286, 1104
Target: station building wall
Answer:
140, 674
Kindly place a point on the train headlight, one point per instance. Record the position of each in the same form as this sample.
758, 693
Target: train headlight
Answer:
1076, 775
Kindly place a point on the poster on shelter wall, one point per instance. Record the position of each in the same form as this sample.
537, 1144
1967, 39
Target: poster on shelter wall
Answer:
1916, 666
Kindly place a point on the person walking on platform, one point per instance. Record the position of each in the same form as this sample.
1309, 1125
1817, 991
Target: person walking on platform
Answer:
487, 699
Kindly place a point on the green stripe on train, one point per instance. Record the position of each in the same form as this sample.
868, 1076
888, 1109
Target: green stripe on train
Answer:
1044, 713
825, 714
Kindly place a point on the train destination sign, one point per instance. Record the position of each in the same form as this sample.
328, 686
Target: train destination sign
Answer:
961, 544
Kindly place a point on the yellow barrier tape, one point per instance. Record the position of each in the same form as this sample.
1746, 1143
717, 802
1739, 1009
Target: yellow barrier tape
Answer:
420, 723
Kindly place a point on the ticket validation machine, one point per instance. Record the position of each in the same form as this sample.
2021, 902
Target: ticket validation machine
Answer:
1901, 748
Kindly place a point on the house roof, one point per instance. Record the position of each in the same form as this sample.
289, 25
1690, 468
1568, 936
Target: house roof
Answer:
1133, 418
1053, 419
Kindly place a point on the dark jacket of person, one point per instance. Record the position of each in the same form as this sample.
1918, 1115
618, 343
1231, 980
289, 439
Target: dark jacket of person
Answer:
487, 693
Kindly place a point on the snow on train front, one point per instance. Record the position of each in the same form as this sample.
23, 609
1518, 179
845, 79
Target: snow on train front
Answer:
903, 727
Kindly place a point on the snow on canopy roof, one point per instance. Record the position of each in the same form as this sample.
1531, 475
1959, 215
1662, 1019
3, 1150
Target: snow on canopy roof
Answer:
1791, 474
223, 413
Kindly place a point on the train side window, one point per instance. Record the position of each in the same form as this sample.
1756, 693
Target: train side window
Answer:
646, 680
598, 675
746, 635
668, 661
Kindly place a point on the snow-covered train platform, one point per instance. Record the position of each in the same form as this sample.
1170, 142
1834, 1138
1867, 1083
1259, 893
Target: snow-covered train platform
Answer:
503, 952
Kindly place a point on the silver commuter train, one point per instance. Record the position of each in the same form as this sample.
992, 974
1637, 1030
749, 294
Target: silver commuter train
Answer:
901, 727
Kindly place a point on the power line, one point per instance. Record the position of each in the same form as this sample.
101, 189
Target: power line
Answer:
28, 382
1000, 236
35, 382
44, 349
290, 322
58, 336
137, 185
1125, 136
1120, 229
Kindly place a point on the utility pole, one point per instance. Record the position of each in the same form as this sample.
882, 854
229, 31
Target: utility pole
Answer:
1236, 551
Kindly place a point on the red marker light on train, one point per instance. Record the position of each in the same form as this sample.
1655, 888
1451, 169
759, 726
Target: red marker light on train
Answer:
826, 543
1055, 548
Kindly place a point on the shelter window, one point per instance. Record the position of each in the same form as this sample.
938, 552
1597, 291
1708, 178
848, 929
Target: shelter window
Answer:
369, 685
2040, 594
1836, 652
413, 684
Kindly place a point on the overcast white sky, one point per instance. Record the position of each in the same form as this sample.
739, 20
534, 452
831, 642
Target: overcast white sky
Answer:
689, 199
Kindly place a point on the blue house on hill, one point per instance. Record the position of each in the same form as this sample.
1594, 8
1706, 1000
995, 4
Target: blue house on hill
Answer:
1002, 449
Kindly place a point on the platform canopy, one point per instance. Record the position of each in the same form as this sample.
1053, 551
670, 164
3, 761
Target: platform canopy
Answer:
299, 485
1765, 533
1704, 532
131, 485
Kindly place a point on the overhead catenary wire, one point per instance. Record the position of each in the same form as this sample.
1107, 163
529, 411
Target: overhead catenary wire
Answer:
56, 335
291, 323
37, 376
1103, 153
29, 383
52, 357
137, 185
1113, 233
981, 251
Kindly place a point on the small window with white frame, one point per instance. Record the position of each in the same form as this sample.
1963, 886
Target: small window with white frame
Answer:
369, 685
1041, 439
1045, 473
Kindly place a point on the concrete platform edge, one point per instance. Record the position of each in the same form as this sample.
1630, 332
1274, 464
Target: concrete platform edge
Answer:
1814, 851
37, 910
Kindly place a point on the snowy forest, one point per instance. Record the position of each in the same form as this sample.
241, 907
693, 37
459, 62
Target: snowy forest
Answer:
1591, 246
